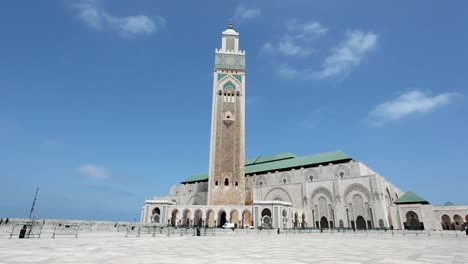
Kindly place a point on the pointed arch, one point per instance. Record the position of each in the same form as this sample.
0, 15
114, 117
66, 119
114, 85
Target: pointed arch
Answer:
322, 191
195, 200
356, 187
229, 81
278, 192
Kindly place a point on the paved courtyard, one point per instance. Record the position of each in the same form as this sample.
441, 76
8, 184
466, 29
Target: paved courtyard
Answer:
113, 247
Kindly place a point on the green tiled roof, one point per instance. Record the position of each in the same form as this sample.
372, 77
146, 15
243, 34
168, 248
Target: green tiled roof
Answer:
448, 203
410, 197
197, 177
270, 158
280, 161
296, 162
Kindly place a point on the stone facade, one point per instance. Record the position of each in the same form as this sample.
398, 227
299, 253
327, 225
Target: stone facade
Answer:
329, 190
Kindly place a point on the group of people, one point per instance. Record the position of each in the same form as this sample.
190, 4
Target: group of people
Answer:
6, 221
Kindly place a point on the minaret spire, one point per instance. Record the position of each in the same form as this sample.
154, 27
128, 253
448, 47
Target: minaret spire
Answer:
230, 24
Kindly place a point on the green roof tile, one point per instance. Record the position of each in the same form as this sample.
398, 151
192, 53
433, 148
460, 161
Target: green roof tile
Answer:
410, 197
448, 203
270, 158
295, 162
196, 177
280, 161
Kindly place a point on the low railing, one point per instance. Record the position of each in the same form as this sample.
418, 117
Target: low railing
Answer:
30, 229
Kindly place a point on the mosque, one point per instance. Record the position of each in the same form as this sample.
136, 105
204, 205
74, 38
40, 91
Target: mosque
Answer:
325, 190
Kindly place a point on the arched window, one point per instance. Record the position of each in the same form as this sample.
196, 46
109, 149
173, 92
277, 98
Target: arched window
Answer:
226, 182
285, 180
216, 182
261, 184
311, 177
342, 174
236, 184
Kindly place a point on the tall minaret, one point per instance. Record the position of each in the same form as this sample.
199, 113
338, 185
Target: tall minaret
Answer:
227, 149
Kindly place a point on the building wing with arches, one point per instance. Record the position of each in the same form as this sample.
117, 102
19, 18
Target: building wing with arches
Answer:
326, 190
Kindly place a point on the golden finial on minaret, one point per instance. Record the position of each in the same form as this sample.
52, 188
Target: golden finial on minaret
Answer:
230, 24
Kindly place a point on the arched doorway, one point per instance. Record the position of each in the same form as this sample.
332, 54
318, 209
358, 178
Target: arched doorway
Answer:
458, 222
446, 223
174, 217
246, 219
323, 222
156, 215
209, 221
466, 219
360, 223
186, 217
221, 218
285, 218
412, 221
303, 224
381, 223
235, 218
198, 218
266, 218
296, 219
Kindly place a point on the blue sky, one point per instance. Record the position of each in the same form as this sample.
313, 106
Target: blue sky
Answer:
106, 103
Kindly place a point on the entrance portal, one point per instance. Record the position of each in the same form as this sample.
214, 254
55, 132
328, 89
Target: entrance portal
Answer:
266, 218
174, 216
222, 218
360, 223
323, 222
412, 221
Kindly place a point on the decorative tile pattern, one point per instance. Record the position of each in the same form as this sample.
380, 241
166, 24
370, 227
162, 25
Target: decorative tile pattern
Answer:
229, 61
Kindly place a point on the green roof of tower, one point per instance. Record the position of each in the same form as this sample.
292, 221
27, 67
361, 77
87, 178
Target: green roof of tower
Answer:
448, 203
411, 197
281, 161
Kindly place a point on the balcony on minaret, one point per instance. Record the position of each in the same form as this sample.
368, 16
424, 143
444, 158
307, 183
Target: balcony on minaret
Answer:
228, 118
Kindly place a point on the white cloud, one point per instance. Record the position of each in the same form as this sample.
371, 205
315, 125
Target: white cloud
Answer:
286, 46
242, 13
95, 171
295, 40
94, 16
286, 71
306, 30
407, 104
267, 48
348, 54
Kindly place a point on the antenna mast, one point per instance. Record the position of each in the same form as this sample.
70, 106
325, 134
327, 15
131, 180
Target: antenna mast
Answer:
34, 203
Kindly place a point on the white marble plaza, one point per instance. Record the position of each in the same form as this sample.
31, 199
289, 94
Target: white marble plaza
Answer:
227, 247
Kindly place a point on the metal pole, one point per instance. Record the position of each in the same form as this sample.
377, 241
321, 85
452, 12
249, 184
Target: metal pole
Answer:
34, 203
